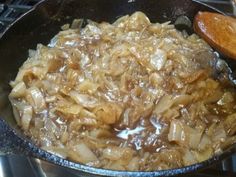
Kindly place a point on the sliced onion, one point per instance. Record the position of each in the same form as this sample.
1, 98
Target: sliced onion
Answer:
115, 153
19, 90
108, 113
158, 59
17, 115
194, 137
184, 135
70, 109
182, 100
59, 151
176, 132
27, 114
133, 164
101, 133
85, 153
205, 141
219, 134
203, 155
165, 103
230, 141
83, 99
87, 121
137, 21
189, 158
226, 98
230, 124
35, 97
87, 87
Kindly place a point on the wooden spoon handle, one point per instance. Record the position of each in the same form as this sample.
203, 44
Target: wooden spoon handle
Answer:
217, 30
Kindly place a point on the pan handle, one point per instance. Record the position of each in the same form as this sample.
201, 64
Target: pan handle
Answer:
10, 142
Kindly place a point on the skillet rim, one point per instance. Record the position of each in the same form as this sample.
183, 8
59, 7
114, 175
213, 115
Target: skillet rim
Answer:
44, 155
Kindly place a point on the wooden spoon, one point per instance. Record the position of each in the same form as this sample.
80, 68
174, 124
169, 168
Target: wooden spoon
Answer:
219, 31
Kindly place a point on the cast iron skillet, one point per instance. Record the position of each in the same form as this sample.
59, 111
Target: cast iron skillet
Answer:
39, 26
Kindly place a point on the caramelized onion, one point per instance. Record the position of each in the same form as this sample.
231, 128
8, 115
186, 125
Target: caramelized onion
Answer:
132, 95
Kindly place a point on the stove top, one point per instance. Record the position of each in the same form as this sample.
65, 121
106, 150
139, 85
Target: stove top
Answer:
10, 10
20, 166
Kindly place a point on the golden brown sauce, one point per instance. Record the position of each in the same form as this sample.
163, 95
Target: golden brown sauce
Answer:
132, 95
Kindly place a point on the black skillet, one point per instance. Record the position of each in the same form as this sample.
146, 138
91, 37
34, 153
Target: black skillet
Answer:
39, 26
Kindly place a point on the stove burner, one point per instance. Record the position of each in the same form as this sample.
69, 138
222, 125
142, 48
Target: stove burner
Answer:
10, 10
